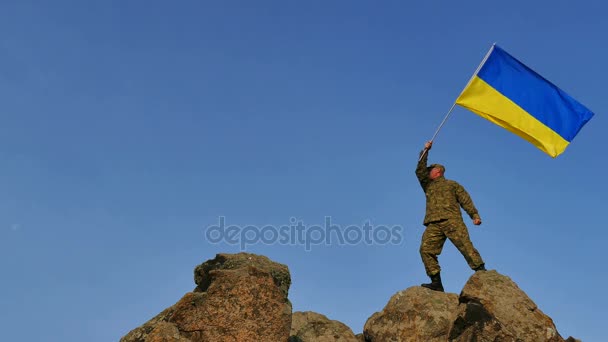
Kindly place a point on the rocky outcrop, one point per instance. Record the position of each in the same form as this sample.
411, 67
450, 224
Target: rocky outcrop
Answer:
244, 297
416, 314
313, 327
493, 308
239, 297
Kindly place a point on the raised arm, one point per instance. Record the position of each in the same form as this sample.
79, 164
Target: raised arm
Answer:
421, 169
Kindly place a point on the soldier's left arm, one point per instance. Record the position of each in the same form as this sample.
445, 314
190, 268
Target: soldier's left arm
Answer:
466, 202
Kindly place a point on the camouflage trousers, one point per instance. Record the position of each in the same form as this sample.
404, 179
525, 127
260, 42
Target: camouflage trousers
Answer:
434, 237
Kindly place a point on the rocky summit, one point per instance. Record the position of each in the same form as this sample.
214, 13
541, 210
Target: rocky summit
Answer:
491, 307
415, 314
238, 297
244, 297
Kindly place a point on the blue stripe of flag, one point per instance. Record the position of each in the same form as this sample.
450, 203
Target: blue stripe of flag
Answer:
534, 94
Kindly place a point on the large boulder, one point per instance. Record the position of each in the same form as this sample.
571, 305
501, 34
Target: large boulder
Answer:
243, 297
493, 308
239, 297
313, 327
416, 314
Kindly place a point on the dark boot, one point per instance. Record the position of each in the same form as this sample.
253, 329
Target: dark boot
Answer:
481, 267
435, 283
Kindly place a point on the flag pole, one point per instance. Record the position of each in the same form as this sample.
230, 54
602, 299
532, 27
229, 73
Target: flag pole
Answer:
483, 61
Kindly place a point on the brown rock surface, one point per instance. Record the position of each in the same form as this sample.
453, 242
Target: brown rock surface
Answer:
243, 297
416, 314
239, 297
493, 308
313, 327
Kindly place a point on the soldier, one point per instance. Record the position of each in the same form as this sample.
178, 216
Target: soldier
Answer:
443, 219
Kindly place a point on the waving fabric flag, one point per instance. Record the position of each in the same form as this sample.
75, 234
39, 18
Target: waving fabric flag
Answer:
513, 96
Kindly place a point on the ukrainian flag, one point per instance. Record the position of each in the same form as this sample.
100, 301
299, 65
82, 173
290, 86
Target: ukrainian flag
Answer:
514, 97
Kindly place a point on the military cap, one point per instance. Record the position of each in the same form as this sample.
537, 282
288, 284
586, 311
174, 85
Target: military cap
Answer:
439, 166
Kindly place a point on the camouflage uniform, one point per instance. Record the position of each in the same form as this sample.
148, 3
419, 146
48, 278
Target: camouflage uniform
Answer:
443, 218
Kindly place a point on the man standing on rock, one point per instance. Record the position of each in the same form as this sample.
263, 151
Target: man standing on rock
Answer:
443, 219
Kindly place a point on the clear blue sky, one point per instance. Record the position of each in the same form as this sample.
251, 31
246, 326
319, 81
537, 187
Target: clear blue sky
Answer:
128, 127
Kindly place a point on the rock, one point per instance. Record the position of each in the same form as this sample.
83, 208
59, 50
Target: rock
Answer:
416, 314
313, 327
493, 308
239, 297
244, 297
203, 273
165, 332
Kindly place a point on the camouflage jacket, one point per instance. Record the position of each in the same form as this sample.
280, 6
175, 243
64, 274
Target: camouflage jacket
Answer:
444, 197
